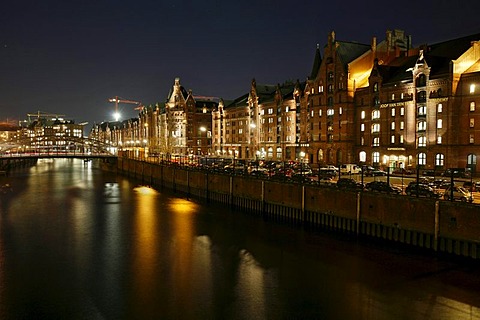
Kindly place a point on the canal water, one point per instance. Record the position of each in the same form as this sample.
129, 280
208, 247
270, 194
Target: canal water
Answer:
79, 243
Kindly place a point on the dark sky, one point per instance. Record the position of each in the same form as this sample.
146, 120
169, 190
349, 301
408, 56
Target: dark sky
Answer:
69, 57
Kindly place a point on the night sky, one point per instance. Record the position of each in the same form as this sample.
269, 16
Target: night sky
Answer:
69, 57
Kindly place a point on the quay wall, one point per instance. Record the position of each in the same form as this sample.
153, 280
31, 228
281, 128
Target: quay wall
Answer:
7, 164
436, 225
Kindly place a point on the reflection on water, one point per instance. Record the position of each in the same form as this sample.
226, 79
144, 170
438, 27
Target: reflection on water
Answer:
77, 243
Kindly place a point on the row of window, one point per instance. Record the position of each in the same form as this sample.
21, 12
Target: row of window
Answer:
421, 158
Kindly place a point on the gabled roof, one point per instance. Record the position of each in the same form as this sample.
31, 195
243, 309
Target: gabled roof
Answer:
452, 49
241, 101
349, 51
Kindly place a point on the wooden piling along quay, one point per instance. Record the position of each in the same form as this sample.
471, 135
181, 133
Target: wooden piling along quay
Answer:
436, 225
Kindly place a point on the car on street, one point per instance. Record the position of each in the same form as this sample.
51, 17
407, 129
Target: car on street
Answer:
421, 190
349, 184
375, 173
459, 193
382, 186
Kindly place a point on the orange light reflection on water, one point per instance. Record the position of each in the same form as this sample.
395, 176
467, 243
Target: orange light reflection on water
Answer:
145, 248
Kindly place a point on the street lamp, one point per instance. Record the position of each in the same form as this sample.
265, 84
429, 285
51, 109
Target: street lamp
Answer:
202, 129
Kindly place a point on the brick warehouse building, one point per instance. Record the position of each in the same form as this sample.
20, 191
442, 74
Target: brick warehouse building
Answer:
385, 104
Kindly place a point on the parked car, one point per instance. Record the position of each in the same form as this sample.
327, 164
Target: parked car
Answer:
459, 193
457, 173
403, 171
350, 184
330, 167
326, 173
350, 169
422, 190
375, 173
382, 186
472, 186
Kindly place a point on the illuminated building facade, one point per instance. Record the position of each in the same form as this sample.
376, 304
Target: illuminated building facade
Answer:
49, 132
265, 123
415, 109
385, 104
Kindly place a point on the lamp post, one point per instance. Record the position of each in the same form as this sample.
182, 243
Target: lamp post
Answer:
302, 155
202, 129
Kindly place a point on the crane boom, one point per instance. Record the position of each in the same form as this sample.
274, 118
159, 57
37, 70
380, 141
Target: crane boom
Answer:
118, 100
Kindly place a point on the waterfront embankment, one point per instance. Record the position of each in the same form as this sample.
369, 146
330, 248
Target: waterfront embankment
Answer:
435, 225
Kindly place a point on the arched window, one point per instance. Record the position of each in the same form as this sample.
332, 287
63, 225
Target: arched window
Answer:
376, 157
376, 101
422, 96
375, 87
362, 156
422, 142
439, 159
421, 80
320, 155
422, 159
375, 114
422, 126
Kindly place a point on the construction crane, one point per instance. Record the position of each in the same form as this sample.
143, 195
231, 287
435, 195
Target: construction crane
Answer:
118, 100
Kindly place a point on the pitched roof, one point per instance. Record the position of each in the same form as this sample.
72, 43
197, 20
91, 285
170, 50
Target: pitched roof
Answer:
349, 51
317, 61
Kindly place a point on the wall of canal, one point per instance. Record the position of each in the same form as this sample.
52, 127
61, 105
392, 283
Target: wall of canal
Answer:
436, 225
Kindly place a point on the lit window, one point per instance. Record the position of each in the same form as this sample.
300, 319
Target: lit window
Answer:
376, 127
362, 156
320, 112
422, 159
439, 108
270, 120
472, 106
472, 123
320, 88
376, 141
472, 139
439, 124
401, 138
362, 142
402, 111
422, 141
422, 111
472, 88
376, 114
401, 95
439, 140
330, 112
262, 112
287, 109
376, 157
240, 131
313, 91
270, 110
311, 113
375, 87
393, 112
362, 127
439, 159
393, 96
362, 115
392, 125
392, 139
402, 125
422, 126
340, 110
